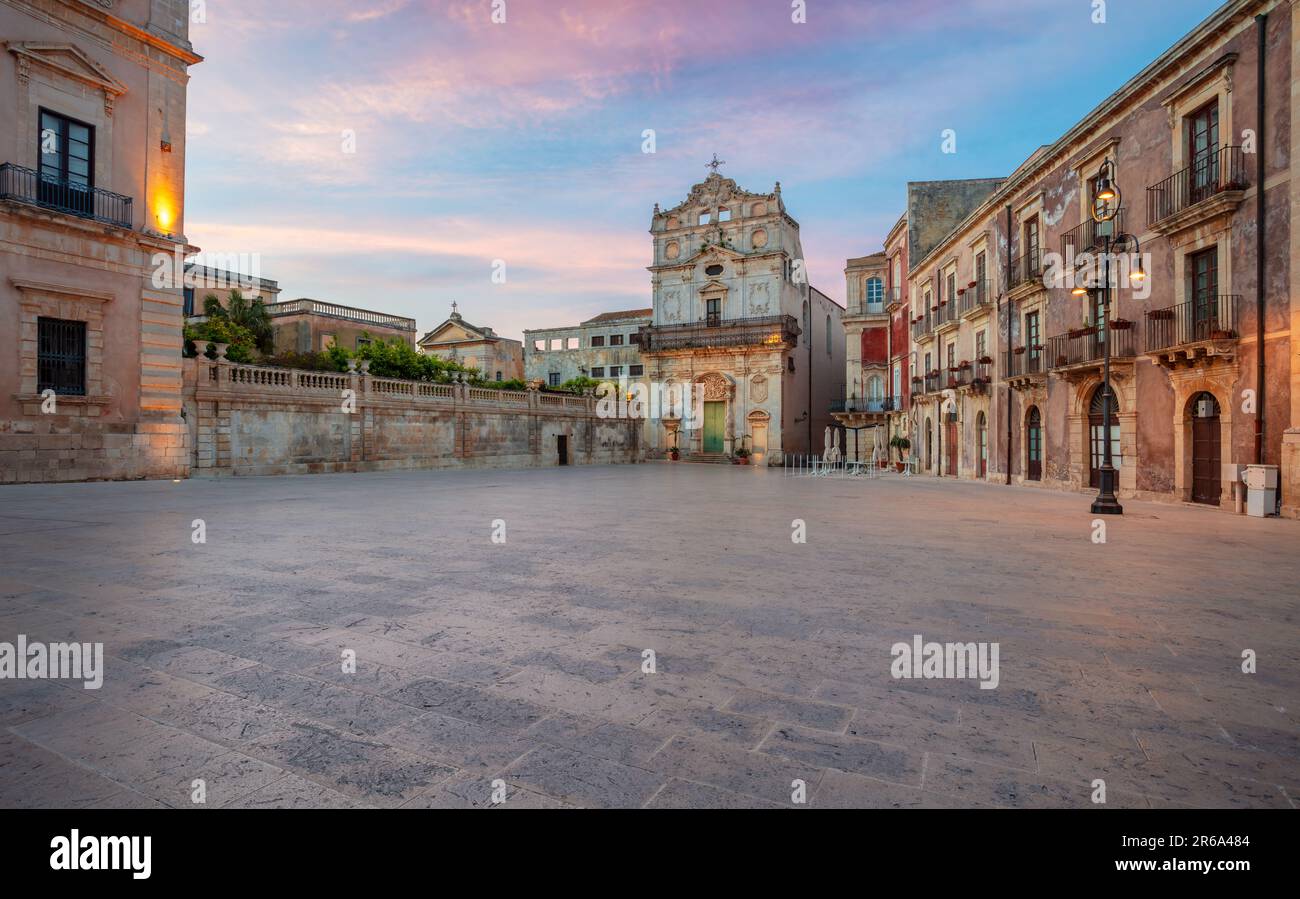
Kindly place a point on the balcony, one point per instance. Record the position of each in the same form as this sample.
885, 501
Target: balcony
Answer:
1195, 331
1089, 236
24, 185
946, 315
852, 404
932, 382
974, 299
1025, 366
922, 325
1026, 270
975, 377
1081, 350
776, 331
1214, 183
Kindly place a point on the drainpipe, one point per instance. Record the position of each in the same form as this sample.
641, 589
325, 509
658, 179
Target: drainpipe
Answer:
1008, 350
1261, 28
811, 319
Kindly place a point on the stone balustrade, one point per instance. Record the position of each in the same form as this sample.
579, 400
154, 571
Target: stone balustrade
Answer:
255, 419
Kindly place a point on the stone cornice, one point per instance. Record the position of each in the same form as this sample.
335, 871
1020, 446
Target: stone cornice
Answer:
77, 293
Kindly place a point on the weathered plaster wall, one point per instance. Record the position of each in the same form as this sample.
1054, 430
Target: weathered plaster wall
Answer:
246, 420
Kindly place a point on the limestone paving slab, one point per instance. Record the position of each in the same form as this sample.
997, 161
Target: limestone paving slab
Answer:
522, 661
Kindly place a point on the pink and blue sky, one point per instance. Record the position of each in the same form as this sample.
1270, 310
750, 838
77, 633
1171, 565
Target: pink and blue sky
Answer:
522, 141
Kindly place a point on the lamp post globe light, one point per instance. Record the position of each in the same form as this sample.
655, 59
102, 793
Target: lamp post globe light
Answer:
1105, 210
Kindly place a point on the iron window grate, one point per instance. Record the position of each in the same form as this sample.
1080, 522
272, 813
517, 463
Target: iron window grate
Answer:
61, 356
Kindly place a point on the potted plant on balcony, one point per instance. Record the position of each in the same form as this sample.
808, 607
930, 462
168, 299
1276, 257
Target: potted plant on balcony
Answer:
1161, 314
1019, 351
964, 364
972, 284
986, 360
1121, 324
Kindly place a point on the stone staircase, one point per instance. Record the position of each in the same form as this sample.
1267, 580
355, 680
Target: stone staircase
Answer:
710, 458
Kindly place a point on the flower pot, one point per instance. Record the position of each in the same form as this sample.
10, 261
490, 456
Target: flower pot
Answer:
898, 466
1121, 324
1019, 351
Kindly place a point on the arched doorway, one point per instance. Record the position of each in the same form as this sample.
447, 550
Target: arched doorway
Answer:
929, 445
1203, 409
1034, 445
982, 446
1096, 434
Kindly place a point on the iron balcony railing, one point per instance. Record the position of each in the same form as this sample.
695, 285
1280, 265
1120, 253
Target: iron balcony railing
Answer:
857, 403
761, 330
919, 328
932, 381
1025, 361
1211, 173
1087, 345
947, 311
1206, 318
960, 378
29, 186
1027, 268
873, 307
1089, 236
334, 310
975, 298
984, 371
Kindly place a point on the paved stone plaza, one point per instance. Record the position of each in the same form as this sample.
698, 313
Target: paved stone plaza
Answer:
523, 662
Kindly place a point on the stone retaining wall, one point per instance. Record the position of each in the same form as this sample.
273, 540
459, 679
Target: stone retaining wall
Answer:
253, 420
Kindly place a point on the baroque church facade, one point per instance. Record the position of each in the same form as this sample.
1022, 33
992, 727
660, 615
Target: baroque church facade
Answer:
736, 319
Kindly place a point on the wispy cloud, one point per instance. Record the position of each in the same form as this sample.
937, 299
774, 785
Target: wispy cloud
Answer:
473, 141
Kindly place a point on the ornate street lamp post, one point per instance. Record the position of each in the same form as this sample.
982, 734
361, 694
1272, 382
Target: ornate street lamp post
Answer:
1105, 209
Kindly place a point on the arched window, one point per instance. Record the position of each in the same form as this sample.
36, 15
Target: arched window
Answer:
875, 295
982, 445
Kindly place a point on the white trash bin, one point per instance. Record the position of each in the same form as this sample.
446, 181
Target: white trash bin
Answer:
1261, 490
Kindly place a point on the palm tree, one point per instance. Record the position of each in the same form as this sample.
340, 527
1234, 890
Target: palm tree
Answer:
252, 316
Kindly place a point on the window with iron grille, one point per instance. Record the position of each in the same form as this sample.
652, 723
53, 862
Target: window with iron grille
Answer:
554, 379
636, 371
61, 356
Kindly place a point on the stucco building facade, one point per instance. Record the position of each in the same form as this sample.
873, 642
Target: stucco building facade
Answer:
497, 358
1203, 364
604, 347
306, 325
736, 318
92, 199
